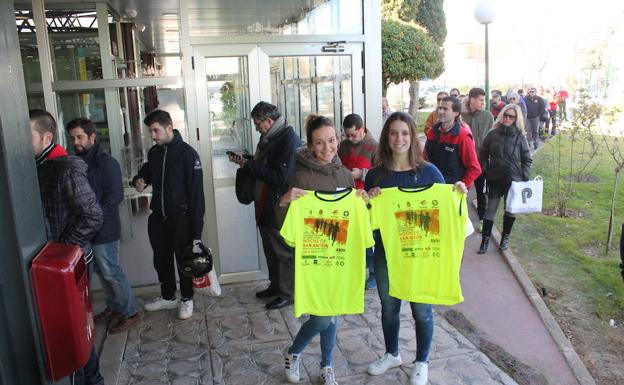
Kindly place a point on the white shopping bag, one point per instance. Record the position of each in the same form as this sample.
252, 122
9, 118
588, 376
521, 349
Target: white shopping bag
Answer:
207, 285
525, 197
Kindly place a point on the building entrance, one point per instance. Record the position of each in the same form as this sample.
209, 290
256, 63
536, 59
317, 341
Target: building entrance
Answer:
230, 79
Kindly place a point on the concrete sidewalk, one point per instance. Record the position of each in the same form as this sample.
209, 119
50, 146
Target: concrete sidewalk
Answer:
504, 315
232, 339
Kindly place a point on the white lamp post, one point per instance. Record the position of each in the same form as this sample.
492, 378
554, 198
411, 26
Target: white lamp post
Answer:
484, 14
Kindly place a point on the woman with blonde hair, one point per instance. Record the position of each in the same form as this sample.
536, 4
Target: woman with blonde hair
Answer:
505, 157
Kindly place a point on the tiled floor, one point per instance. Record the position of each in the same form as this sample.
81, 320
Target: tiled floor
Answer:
233, 340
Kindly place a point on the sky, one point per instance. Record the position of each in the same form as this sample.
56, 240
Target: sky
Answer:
531, 41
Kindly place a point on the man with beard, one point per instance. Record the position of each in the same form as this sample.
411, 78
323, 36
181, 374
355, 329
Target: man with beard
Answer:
104, 176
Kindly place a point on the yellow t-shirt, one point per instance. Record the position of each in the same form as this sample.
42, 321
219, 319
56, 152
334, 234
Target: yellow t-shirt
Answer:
330, 233
423, 231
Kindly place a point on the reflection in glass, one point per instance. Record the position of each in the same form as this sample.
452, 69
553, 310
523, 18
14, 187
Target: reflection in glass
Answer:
317, 85
228, 103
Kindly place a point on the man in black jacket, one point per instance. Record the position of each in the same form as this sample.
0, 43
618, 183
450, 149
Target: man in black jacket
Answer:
272, 166
535, 108
104, 176
72, 213
174, 170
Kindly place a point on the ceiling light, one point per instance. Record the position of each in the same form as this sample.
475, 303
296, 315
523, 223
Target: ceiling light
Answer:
172, 30
170, 14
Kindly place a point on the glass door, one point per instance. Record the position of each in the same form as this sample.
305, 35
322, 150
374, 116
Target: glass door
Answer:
230, 80
224, 103
305, 80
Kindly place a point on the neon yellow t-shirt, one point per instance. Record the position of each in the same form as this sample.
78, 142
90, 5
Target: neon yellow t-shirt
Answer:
330, 233
423, 231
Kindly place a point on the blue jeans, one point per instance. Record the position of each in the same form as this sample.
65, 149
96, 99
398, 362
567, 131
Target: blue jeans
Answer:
327, 326
113, 277
391, 307
370, 265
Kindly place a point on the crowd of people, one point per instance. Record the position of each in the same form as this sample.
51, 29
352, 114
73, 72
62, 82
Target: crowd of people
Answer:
465, 145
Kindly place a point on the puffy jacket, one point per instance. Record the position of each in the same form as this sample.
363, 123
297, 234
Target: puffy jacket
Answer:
175, 173
104, 176
72, 214
505, 155
274, 172
453, 153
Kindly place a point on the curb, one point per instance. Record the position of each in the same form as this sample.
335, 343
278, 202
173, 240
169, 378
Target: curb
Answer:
563, 344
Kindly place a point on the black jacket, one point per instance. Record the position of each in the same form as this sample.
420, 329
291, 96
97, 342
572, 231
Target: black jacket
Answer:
104, 176
275, 174
175, 173
505, 155
535, 106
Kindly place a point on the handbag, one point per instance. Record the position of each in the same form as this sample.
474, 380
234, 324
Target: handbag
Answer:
245, 185
525, 197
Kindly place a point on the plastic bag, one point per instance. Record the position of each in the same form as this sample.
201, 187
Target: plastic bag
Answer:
207, 285
525, 197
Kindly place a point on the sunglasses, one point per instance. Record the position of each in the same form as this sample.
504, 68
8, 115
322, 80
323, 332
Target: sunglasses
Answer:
512, 98
509, 116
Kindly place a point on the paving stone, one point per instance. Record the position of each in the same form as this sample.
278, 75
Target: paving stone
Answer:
234, 340
236, 298
255, 363
244, 328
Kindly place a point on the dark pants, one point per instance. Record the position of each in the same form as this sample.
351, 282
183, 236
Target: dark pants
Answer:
280, 261
90, 373
168, 238
552, 120
479, 185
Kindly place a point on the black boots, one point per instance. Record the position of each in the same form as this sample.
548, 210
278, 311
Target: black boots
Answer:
485, 236
507, 225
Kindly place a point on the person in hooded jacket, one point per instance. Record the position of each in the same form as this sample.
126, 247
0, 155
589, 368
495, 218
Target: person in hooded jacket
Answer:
506, 157
317, 167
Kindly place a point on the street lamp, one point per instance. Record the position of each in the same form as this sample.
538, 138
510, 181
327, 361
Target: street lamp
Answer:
484, 14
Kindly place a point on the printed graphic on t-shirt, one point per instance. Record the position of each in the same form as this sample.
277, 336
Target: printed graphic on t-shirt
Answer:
423, 232
324, 239
330, 234
419, 232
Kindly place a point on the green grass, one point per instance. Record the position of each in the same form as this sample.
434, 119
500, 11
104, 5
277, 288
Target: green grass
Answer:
567, 255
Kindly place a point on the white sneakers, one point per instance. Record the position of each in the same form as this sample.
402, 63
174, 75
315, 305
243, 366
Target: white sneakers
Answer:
419, 373
185, 308
185, 311
327, 376
291, 367
160, 303
388, 361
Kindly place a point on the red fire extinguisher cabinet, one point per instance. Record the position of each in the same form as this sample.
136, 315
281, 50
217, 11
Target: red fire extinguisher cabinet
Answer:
61, 290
